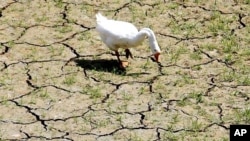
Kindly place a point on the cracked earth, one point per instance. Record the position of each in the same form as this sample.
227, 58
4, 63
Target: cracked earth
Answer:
58, 81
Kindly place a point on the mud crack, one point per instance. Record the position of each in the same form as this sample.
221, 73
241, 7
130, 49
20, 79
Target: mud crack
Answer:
30, 111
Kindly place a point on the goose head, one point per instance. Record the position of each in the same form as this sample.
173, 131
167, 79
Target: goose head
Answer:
155, 49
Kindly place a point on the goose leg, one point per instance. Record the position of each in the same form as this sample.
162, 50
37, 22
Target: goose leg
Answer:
122, 64
128, 54
118, 56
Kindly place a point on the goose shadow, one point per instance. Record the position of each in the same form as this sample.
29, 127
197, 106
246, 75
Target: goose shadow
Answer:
111, 66
103, 65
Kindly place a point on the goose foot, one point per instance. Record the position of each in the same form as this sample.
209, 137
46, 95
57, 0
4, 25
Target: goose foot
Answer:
123, 64
128, 54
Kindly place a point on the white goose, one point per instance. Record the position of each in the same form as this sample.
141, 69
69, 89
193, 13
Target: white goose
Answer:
119, 34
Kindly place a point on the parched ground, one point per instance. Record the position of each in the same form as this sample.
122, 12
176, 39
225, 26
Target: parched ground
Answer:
58, 81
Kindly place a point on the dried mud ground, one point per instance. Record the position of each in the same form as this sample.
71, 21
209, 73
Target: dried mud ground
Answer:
58, 81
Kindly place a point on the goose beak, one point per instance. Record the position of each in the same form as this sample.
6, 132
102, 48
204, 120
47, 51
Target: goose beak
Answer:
157, 56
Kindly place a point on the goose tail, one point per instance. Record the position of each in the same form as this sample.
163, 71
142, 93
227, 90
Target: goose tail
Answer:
100, 18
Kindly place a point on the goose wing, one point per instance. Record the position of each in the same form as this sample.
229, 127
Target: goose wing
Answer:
116, 33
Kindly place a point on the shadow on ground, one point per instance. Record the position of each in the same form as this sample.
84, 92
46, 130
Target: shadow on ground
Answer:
103, 65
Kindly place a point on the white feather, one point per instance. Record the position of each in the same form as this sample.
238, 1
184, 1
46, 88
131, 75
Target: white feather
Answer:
119, 34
